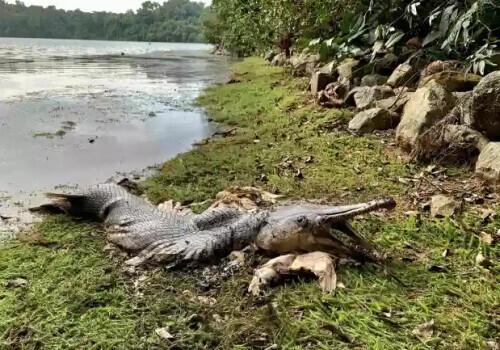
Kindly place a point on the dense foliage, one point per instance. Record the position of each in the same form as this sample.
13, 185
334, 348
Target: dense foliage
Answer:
453, 28
172, 21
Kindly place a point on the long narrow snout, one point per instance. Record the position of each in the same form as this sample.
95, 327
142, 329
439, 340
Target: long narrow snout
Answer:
342, 213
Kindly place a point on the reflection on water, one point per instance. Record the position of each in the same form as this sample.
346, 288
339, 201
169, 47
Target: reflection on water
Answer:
77, 112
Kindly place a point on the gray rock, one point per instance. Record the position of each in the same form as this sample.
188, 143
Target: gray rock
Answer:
386, 64
485, 106
279, 60
453, 80
394, 104
464, 135
371, 120
366, 96
373, 80
404, 74
304, 63
443, 206
488, 163
330, 69
269, 55
345, 69
319, 81
426, 106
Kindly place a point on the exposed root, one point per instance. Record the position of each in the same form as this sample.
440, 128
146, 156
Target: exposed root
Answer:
449, 142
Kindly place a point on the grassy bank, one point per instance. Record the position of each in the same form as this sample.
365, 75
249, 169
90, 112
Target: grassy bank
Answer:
77, 297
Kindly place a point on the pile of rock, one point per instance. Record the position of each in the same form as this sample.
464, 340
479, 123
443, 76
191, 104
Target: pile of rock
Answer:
437, 109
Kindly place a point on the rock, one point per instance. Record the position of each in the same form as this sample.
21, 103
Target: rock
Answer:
334, 95
485, 106
345, 69
373, 80
386, 64
453, 80
304, 63
269, 55
414, 43
164, 333
279, 60
404, 74
394, 104
426, 106
443, 206
372, 119
366, 96
463, 135
439, 66
424, 330
319, 81
488, 163
330, 69
16, 283
237, 257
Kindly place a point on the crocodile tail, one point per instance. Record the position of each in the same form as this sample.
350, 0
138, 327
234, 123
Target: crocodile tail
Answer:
61, 204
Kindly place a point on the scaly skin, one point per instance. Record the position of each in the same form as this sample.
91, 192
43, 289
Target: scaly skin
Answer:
154, 235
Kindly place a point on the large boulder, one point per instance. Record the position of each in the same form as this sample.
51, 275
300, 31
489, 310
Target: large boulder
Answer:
386, 64
373, 80
269, 55
371, 120
319, 81
279, 60
345, 69
485, 106
440, 66
366, 96
426, 106
330, 69
488, 163
404, 74
394, 104
304, 63
453, 80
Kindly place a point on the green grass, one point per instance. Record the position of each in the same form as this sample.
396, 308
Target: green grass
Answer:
78, 297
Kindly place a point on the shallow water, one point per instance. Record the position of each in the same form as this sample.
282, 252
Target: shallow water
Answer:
77, 112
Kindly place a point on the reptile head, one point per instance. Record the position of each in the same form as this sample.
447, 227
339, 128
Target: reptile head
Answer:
306, 227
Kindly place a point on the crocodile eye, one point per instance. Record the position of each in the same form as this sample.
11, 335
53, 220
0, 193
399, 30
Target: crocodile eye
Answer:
301, 220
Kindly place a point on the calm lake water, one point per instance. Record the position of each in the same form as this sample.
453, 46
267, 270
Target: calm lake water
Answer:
77, 112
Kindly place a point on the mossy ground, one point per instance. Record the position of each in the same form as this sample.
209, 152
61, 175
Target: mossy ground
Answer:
79, 298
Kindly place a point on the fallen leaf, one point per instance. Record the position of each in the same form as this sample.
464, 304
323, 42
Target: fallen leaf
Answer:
237, 257
424, 330
207, 300
486, 238
218, 318
480, 258
272, 347
493, 344
487, 214
164, 333
16, 283
438, 268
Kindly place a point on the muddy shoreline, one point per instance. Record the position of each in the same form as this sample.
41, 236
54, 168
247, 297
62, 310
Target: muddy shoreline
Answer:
78, 119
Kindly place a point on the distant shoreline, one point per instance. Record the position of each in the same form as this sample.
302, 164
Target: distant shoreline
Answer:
107, 40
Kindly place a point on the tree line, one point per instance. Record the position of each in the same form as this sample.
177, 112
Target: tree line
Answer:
172, 21
461, 29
